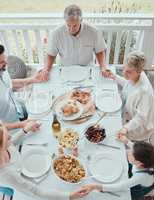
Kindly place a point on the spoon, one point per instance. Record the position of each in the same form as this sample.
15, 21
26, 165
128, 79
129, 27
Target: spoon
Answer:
97, 123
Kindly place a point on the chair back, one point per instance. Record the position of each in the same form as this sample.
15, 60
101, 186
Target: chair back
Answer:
6, 193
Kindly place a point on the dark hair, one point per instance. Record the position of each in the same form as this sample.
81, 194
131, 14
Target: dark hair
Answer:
144, 152
2, 49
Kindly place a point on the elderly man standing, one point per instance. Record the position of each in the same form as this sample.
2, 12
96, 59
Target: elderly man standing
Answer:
75, 42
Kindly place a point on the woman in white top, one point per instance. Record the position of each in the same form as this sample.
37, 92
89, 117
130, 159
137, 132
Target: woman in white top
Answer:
138, 99
141, 182
10, 164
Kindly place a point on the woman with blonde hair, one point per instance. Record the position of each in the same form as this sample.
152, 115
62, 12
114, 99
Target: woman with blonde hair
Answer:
10, 167
138, 98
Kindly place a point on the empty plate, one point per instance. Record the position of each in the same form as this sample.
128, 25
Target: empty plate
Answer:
101, 168
108, 101
35, 162
75, 73
39, 105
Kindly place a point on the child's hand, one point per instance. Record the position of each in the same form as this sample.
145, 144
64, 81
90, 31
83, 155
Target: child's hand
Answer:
122, 138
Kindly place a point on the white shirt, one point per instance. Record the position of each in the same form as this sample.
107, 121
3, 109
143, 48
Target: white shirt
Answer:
138, 113
138, 178
10, 109
76, 50
10, 176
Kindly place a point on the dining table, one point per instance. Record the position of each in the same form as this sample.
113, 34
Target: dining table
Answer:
56, 86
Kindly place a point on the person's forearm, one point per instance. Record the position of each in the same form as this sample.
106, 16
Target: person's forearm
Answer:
16, 137
101, 59
13, 125
20, 83
50, 61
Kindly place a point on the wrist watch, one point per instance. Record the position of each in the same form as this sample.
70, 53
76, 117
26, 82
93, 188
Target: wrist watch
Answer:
24, 131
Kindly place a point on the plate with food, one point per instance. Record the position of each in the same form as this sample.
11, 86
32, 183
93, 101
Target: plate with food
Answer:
101, 167
83, 96
74, 73
69, 109
108, 101
95, 134
69, 169
35, 162
68, 138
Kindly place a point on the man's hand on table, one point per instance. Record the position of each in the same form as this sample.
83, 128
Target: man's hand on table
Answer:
44, 74
107, 73
40, 76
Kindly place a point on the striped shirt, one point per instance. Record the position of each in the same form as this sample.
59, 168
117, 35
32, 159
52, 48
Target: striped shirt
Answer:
76, 50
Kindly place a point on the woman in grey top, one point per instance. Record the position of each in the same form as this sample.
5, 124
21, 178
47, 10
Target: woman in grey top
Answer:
10, 168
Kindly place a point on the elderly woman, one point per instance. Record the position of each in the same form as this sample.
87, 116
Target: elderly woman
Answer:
10, 168
138, 99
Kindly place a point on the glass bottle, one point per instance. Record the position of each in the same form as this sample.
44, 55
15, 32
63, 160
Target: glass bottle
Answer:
56, 126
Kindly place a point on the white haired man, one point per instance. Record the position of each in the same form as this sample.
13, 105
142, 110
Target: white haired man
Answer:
75, 42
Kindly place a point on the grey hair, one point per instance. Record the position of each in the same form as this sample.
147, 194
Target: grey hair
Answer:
136, 59
72, 11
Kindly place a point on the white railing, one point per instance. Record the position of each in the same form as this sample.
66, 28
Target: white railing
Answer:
26, 35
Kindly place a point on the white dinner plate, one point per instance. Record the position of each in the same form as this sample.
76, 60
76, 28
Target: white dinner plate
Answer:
74, 73
39, 106
35, 162
105, 168
108, 101
71, 117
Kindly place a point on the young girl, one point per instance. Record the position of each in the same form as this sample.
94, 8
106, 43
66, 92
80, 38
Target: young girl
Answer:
10, 168
141, 181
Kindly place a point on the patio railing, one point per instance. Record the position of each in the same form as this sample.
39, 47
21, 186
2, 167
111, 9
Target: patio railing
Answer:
26, 35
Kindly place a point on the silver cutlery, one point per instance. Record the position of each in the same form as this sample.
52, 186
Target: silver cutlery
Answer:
90, 74
107, 145
43, 144
20, 148
111, 193
85, 86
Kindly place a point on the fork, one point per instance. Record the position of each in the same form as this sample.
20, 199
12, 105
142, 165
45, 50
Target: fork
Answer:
90, 74
43, 144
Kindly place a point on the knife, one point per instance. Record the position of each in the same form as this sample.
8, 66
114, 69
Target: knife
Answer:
107, 145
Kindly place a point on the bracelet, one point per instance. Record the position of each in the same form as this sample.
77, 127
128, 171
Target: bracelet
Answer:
24, 131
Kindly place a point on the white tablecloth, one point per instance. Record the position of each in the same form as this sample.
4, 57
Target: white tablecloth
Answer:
111, 123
